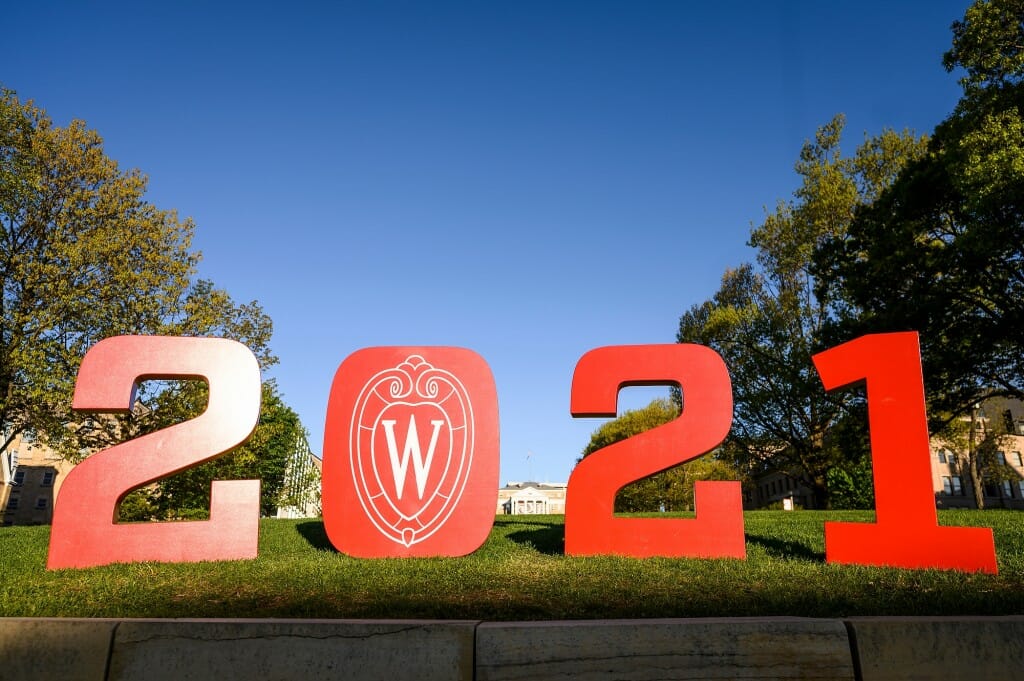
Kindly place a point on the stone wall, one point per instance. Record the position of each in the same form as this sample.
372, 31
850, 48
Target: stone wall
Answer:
862, 649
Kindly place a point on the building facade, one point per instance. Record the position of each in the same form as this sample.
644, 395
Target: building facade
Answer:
1000, 421
531, 498
300, 493
32, 475
777, 489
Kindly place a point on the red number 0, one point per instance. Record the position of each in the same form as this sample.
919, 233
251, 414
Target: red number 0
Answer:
590, 525
906, 532
81, 537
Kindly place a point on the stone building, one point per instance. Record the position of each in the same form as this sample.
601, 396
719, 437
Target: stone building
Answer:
300, 493
1002, 419
531, 498
777, 489
31, 478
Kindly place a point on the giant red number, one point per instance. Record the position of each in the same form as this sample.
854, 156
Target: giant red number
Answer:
906, 532
84, 531
411, 453
590, 525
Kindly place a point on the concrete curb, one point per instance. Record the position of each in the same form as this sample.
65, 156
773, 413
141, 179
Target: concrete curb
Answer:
892, 648
67, 649
862, 648
182, 650
789, 648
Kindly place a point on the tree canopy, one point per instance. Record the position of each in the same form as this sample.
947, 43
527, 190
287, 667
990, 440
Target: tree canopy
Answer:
84, 256
941, 250
987, 45
263, 457
670, 490
766, 320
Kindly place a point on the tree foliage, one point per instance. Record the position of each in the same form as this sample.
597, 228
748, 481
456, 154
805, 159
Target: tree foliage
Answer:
987, 44
941, 251
84, 256
766, 319
669, 490
263, 457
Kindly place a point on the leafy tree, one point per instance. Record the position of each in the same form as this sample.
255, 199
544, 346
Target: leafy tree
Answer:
941, 250
84, 256
264, 457
669, 490
766, 320
987, 45
850, 480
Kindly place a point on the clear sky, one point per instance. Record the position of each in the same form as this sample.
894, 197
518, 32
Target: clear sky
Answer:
526, 179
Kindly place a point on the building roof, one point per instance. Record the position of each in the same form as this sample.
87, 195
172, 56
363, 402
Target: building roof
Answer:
536, 485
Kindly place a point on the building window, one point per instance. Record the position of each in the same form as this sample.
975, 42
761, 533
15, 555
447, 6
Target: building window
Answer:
1001, 458
942, 456
13, 503
958, 485
1007, 489
19, 478
1016, 457
47, 479
1020, 488
41, 503
947, 484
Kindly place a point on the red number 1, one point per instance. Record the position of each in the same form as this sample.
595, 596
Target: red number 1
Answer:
906, 532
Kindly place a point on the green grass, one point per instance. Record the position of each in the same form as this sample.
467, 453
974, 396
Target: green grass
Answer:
519, 573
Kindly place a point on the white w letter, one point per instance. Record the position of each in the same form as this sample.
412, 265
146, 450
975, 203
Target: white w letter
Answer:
412, 446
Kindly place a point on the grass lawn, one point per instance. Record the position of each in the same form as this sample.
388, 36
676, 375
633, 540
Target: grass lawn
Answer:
519, 573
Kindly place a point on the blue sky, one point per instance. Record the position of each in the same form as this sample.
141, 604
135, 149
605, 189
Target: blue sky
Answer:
526, 179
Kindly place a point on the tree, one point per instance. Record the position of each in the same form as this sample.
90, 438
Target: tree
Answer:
263, 457
84, 256
941, 250
670, 490
987, 45
766, 320
850, 481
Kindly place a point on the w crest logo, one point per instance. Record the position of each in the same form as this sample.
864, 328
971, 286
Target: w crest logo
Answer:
400, 465
412, 435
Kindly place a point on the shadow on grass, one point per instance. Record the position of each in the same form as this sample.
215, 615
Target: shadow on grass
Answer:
544, 536
314, 533
781, 548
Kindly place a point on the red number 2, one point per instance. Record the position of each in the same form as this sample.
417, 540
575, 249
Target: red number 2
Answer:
906, 532
84, 531
590, 525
